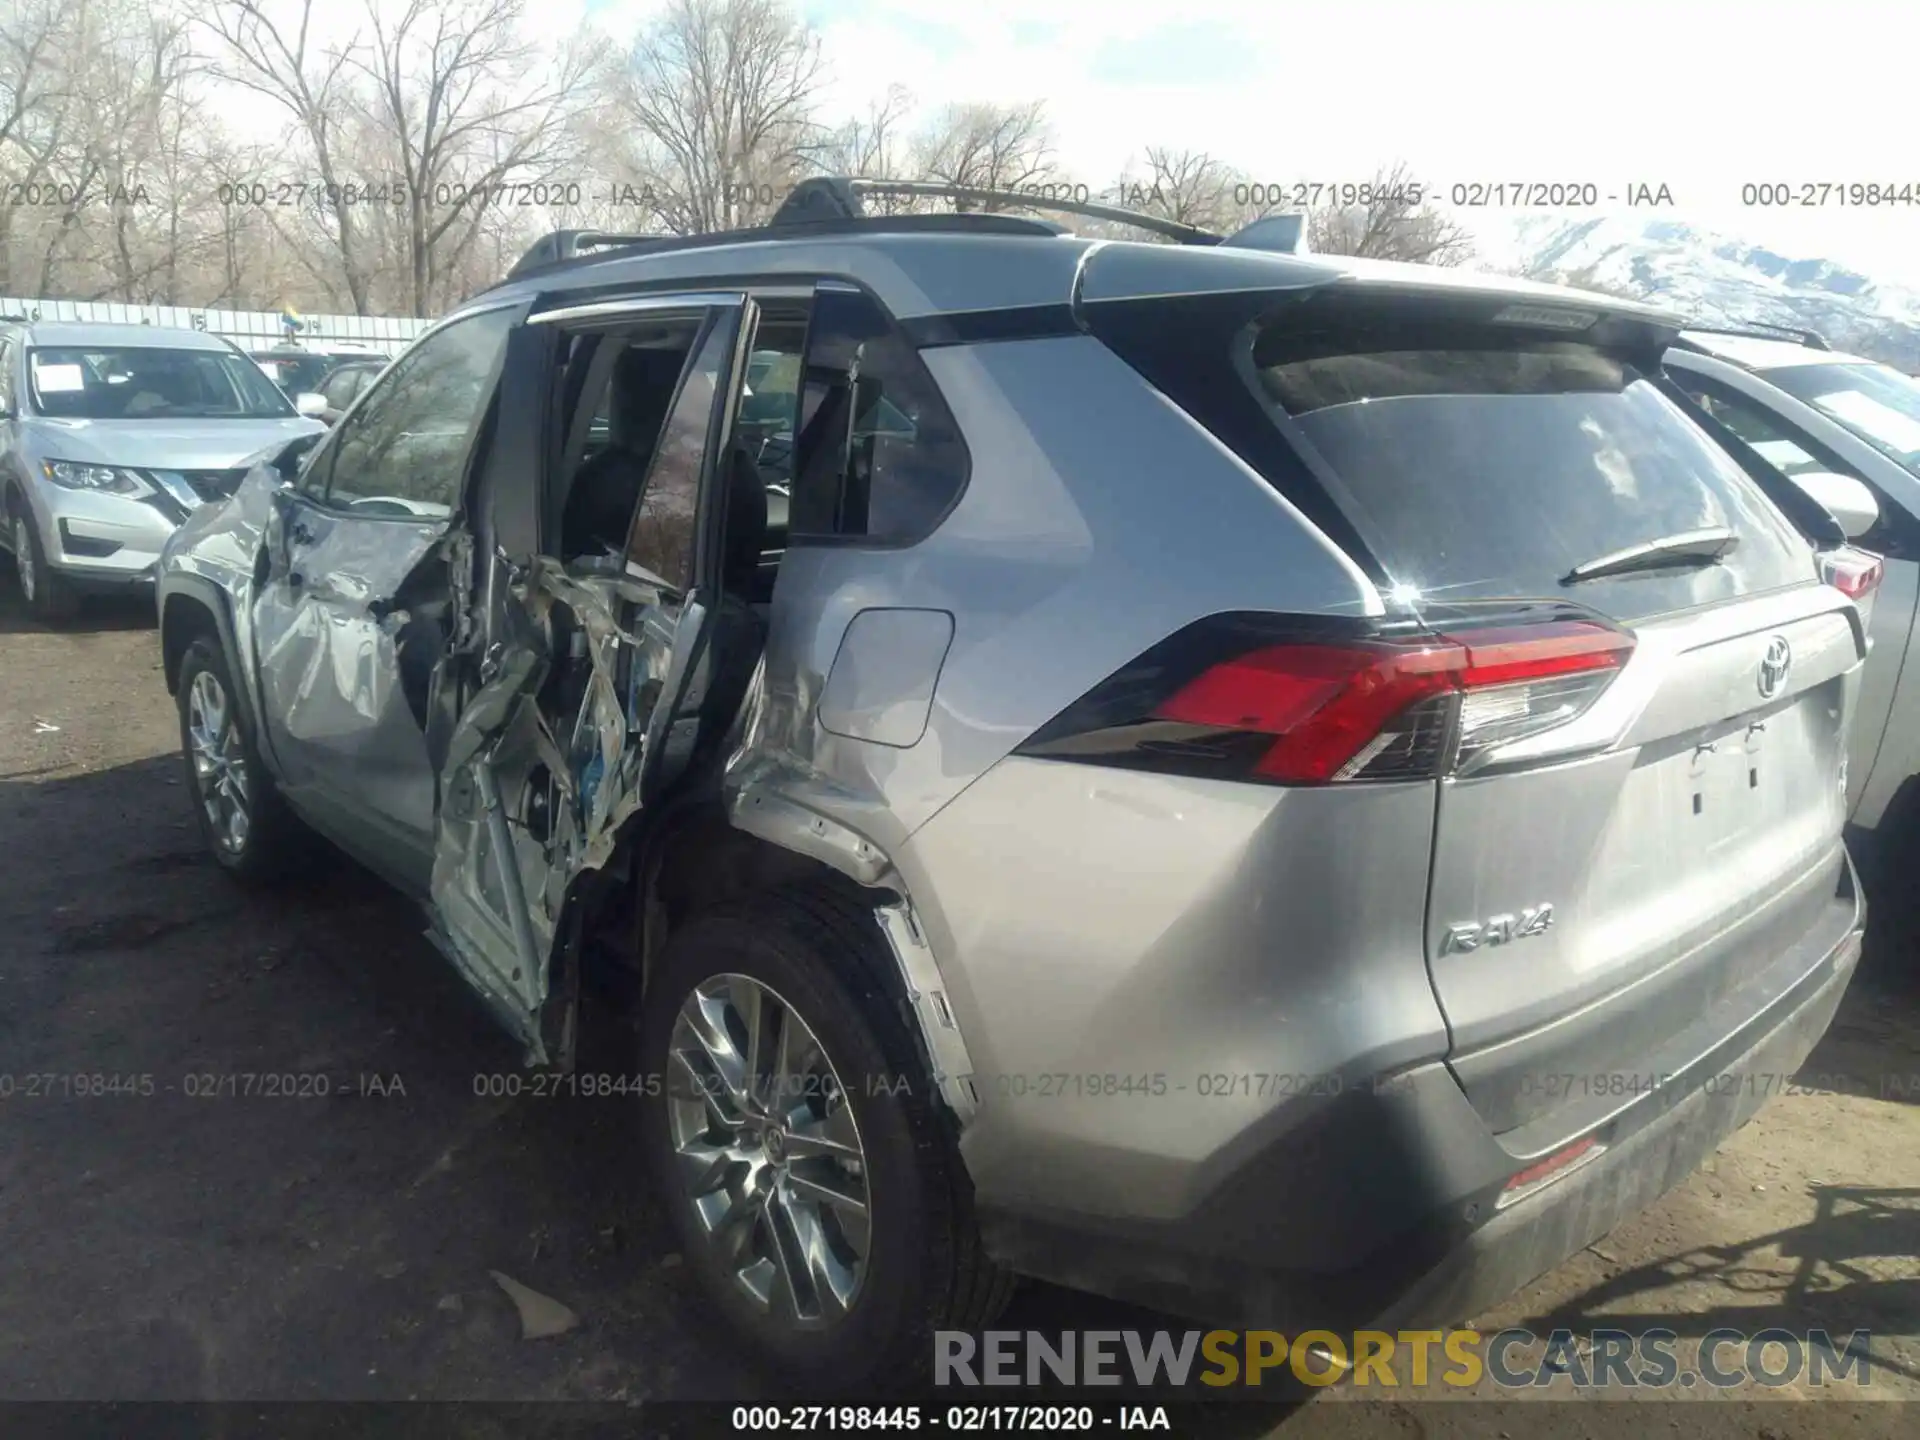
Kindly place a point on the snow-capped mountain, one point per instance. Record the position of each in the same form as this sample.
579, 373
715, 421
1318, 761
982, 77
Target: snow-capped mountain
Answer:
1721, 280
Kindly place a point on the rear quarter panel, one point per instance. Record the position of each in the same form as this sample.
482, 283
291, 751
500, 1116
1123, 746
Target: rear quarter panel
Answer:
1083, 916
1098, 519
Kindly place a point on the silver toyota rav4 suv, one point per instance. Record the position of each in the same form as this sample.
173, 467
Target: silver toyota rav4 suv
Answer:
1292, 790
109, 436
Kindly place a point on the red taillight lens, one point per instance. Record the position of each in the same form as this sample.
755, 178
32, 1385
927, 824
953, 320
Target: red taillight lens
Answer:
1319, 712
1324, 704
1537, 652
1854, 573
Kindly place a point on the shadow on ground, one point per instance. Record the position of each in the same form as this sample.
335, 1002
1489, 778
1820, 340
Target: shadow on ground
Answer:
1848, 1268
97, 613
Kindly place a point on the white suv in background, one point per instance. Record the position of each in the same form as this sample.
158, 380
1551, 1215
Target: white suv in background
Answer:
110, 436
1815, 415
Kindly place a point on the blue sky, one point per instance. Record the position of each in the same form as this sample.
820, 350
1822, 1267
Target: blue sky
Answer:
1702, 96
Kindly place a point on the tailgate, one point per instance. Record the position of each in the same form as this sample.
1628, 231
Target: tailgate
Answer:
1686, 865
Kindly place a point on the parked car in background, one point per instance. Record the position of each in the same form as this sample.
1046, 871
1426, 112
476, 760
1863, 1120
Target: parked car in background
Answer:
1848, 431
1297, 790
110, 436
344, 384
301, 369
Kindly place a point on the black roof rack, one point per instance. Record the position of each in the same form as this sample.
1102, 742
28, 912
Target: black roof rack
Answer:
1765, 330
564, 248
838, 196
831, 205
565, 245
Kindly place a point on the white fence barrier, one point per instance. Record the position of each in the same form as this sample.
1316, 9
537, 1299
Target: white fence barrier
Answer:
249, 329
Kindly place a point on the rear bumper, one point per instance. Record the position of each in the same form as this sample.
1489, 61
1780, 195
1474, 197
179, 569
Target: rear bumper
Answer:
1382, 1209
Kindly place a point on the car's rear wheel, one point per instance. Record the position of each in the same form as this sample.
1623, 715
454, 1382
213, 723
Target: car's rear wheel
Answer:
808, 1168
243, 820
48, 595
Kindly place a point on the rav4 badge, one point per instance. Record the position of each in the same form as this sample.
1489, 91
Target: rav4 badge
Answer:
1497, 930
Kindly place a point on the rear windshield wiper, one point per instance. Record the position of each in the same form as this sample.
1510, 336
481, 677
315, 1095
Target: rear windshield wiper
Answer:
1689, 547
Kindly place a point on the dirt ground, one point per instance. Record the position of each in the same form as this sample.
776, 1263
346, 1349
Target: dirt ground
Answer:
164, 1245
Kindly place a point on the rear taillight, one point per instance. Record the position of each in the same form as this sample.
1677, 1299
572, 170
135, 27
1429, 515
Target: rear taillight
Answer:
1854, 573
1327, 710
1523, 680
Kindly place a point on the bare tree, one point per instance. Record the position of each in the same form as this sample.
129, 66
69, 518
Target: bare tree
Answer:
991, 147
465, 111
135, 69
719, 97
36, 105
273, 52
874, 146
1191, 187
1194, 188
30, 54
1388, 219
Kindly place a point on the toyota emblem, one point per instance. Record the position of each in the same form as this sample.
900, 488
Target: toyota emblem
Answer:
1774, 666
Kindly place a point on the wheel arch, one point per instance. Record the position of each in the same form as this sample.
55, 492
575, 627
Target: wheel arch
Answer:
192, 608
695, 859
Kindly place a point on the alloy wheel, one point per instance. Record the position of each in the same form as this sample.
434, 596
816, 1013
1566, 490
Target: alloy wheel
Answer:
219, 762
23, 557
767, 1150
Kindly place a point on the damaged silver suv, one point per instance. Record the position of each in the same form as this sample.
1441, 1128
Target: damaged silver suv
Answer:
1292, 790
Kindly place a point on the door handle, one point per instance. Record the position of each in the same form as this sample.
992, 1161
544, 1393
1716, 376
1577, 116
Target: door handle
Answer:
295, 579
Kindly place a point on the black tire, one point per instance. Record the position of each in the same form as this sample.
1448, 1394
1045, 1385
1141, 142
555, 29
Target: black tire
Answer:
274, 838
926, 1268
49, 596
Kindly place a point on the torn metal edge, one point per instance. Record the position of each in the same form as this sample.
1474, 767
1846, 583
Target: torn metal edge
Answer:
920, 972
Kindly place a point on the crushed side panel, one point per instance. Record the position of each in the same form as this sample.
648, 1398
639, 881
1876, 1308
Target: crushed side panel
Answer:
543, 769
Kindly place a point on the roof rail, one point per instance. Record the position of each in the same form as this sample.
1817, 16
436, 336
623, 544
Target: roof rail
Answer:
564, 248
1766, 330
838, 197
831, 205
563, 245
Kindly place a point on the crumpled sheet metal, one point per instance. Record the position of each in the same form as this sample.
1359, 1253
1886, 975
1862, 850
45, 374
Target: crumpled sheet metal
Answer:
505, 740
608, 735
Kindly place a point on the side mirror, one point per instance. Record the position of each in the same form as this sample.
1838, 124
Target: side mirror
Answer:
309, 404
1851, 503
287, 461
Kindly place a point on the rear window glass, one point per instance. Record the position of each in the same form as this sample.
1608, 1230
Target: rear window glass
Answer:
1484, 469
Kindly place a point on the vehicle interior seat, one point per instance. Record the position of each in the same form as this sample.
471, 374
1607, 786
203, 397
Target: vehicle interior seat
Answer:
600, 500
